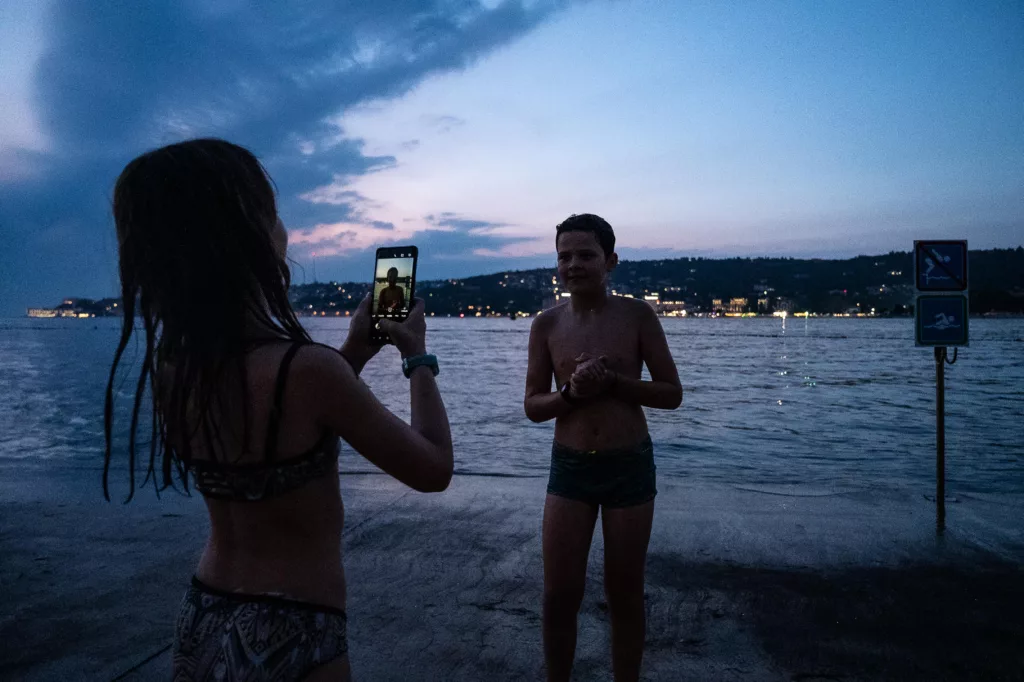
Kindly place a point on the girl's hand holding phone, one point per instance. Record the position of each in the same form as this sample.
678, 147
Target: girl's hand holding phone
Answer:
410, 335
357, 348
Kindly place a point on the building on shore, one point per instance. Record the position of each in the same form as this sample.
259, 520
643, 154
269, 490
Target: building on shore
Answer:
69, 307
79, 308
672, 308
737, 305
43, 312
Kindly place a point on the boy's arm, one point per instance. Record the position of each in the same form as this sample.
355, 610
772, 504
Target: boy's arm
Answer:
663, 391
540, 403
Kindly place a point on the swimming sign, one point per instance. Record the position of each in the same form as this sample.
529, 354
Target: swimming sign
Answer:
942, 320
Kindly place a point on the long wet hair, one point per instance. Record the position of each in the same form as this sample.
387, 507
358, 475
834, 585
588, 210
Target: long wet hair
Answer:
197, 261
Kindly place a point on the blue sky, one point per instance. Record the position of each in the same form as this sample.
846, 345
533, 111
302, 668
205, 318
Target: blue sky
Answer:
472, 128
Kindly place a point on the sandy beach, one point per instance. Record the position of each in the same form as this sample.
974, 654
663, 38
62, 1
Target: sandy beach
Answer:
744, 583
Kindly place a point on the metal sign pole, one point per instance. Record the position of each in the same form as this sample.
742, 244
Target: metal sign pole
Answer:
940, 438
941, 319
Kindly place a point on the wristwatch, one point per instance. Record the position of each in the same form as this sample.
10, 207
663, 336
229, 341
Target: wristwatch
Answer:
566, 392
411, 363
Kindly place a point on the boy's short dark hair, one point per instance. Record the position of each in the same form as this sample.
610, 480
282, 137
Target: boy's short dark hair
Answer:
588, 222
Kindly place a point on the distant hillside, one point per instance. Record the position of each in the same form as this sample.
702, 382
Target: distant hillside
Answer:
883, 282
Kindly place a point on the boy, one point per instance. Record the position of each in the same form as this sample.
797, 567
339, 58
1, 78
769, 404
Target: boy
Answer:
602, 458
392, 297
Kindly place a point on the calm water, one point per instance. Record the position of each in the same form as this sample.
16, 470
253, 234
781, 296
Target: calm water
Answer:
823, 403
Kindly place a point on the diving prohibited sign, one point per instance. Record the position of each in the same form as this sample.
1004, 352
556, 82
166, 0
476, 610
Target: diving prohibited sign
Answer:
941, 319
940, 265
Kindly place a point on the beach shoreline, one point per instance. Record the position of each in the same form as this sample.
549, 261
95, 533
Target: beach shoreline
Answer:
743, 584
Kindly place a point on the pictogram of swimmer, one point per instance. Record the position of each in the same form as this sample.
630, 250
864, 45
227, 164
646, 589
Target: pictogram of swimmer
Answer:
943, 321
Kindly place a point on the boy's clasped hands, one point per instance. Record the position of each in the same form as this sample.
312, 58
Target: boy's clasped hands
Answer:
592, 377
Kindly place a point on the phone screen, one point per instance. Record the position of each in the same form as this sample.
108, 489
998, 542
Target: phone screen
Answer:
394, 285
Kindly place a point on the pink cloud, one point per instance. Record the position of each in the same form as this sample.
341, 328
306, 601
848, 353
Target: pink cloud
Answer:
531, 247
334, 239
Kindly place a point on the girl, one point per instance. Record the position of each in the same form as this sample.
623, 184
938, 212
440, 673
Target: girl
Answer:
246, 401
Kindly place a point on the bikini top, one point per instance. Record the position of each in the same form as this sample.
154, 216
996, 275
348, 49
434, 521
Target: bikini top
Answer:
252, 482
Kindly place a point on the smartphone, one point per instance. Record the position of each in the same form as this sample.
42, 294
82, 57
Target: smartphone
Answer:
394, 285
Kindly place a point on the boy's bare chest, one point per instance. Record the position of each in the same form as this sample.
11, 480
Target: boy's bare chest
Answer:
614, 337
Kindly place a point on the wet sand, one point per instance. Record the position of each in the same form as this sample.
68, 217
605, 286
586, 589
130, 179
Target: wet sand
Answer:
744, 583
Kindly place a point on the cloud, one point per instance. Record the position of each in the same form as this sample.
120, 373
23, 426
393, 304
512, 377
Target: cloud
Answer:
442, 124
20, 164
448, 238
117, 76
453, 221
334, 239
452, 242
337, 195
520, 248
117, 79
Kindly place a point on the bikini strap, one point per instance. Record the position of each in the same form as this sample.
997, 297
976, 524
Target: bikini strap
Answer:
277, 409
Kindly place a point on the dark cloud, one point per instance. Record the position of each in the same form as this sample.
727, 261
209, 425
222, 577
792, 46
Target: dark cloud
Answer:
118, 78
458, 223
445, 237
449, 245
443, 254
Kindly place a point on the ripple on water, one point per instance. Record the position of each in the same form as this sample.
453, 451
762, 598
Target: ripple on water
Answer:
858, 400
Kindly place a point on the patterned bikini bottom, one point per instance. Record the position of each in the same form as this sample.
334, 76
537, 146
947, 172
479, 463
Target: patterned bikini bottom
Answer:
234, 637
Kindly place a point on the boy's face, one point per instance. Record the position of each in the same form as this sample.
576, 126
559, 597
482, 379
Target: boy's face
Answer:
583, 265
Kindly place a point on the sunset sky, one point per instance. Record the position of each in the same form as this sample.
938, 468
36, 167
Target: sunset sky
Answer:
817, 128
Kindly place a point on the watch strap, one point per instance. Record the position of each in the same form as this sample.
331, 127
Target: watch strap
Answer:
426, 360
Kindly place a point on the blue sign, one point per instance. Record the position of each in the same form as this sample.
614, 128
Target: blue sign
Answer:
940, 265
941, 320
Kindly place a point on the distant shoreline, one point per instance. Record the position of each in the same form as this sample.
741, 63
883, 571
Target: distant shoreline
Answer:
884, 284
699, 315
